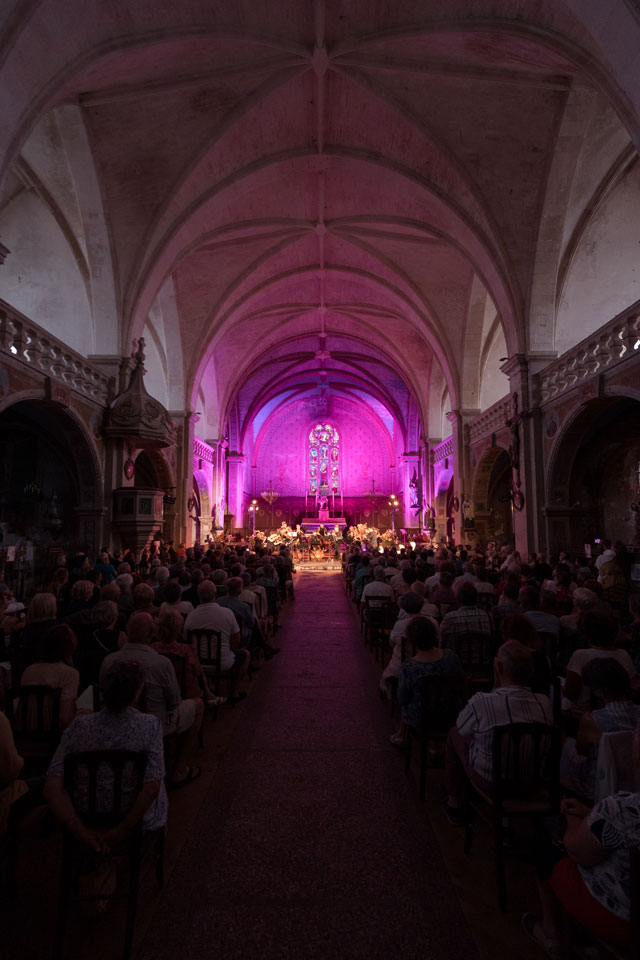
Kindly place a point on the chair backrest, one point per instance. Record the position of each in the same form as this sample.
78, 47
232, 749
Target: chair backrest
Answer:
526, 760
486, 601
441, 699
34, 714
446, 608
208, 646
475, 651
615, 769
272, 599
180, 666
103, 784
404, 653
549, 646
634, 898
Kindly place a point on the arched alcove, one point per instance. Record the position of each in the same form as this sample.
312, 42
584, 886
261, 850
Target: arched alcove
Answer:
50, 482
492, 485
594, 476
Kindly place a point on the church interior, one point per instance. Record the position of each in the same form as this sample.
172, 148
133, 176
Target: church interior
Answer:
288, 286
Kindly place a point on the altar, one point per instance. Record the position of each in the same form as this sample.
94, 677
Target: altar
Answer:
311, 524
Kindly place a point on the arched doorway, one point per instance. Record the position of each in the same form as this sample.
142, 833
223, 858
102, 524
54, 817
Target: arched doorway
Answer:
594, 476
50, 488
194, 507
492, 487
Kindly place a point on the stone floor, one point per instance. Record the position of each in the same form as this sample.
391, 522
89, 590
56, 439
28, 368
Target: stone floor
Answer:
302, 837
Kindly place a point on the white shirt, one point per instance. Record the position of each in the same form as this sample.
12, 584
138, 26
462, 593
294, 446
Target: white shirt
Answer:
377, 591
501, 707
605, 557
211, 616
580, 658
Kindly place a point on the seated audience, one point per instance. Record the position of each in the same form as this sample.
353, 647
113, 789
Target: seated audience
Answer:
429, 660
591, 883
519, 628
117, 726
161, 693
52, 669
377, 591
40, 618
599, 631
410, 606
442, 589
168, 631
428, 609
529, 599
209, 615
468, 618
469, 749
609, 683
174, 600
82, 597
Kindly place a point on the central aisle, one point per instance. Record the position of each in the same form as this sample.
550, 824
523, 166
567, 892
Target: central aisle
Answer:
309, 843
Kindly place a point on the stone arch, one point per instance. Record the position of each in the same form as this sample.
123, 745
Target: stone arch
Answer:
591, 481
201, 486
493, 520
78, 457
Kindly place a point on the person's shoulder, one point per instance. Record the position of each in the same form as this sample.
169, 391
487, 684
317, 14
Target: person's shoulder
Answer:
578, 658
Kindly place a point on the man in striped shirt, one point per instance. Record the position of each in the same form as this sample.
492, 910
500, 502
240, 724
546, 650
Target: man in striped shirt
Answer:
470, 743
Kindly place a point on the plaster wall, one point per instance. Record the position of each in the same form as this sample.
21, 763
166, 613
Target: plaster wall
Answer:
604, 277
44, 282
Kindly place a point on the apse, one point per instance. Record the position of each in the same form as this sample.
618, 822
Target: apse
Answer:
286, 452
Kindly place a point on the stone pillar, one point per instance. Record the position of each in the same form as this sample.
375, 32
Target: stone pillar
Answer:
236, 463
219, 490
462, 475
526, 452
184, 473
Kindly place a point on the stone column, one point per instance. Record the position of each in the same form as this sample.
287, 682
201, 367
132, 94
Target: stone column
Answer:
236, 463
219, 488
184, 472
526, 450
462, 475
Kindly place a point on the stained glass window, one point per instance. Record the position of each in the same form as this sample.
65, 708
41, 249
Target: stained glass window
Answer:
324, 460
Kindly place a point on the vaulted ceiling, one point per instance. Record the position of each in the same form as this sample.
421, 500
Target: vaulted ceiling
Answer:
374, 173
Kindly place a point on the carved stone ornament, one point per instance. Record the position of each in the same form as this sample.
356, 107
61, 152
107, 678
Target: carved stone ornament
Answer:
134, 415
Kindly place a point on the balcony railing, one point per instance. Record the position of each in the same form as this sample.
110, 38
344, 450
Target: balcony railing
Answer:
606, 348
23, 340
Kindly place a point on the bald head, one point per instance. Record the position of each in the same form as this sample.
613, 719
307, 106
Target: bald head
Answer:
207, 592
140, 628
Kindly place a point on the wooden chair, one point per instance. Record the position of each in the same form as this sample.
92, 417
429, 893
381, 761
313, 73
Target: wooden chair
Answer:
34, 715
525, 784
393, 681
208, 646
445, 608
549, 646
179, 665
486, 601
273, 608
9, 859
475, 651
441, 699
104, 809
378, 623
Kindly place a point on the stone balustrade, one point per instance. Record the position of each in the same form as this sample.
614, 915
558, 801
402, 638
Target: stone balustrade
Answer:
491, 420
610, 345
23, 340
203, 451
443, 450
